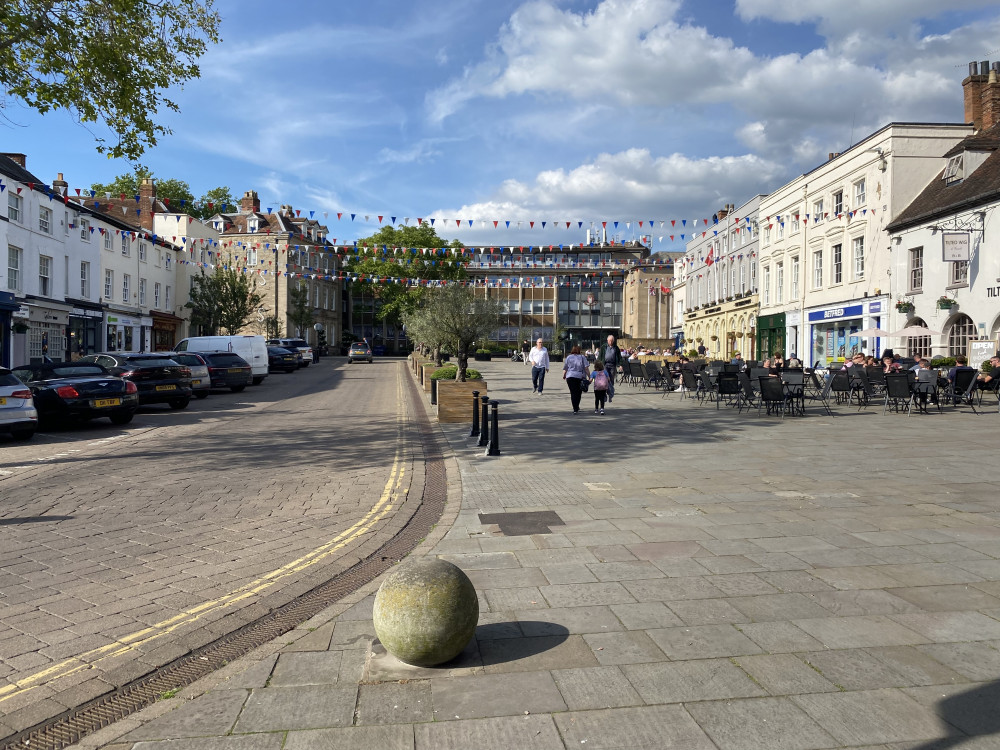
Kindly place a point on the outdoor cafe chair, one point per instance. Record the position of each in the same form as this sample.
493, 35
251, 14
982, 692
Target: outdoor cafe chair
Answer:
707, 388
876, 378
772, 396
747, 396
690, 384
841, 385
963, 389
821, 396
926, 389
728, 387
898, 393
861, 388
992, 387
793, 382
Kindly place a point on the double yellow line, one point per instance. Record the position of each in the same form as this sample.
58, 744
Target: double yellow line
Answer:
387, 501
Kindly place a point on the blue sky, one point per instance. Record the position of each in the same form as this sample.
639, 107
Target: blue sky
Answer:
547, 110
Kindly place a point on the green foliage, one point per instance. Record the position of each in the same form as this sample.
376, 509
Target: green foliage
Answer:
396, 300
484, 351
175, 194
300, 314
225, 300
692, 353
104, 61
943, 362
987, 367
448, 372
454, 316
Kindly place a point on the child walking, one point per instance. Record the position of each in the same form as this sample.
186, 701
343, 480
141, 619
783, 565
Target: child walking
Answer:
601, 383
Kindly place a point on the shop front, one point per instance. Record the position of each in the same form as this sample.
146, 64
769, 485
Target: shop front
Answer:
770, 335
166, 330
8, 306
85, 321
127, 333
45, 338
835, 332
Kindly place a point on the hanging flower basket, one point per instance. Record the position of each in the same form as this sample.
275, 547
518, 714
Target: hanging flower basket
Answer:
904, 307
738, 334
946, 303
715, 338
19, 327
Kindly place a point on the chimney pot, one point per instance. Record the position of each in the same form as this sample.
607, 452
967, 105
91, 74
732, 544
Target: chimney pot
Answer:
973, 68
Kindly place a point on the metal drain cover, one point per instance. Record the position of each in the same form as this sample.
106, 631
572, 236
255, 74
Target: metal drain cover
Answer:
523, 524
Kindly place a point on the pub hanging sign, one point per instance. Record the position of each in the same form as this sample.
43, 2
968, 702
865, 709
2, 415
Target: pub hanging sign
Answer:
955, 247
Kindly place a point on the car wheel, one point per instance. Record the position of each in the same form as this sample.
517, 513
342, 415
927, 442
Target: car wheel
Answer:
22, 434
237, 388
350, 361
122, 417
179, 403
201, 394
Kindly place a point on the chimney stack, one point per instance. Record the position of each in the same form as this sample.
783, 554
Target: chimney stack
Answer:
19, 159
147, 203
973, 88
991, 98
59, 185
722, 213
250, 203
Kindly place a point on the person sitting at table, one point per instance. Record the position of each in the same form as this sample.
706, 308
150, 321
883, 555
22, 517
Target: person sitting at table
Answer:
923, 389
987, 381
778, 361
961, 364
858, 360
888, 364
738, 361
794, 361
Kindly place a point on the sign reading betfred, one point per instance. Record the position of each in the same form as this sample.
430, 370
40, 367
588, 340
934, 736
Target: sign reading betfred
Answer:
955, 246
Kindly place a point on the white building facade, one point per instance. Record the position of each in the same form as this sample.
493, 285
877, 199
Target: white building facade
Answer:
825, 258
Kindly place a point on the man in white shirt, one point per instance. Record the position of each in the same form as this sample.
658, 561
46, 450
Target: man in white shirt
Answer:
539, 357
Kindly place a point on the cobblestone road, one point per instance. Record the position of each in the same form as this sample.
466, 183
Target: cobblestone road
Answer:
123, 548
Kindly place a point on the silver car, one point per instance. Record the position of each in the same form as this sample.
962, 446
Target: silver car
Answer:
200, 380
17, 407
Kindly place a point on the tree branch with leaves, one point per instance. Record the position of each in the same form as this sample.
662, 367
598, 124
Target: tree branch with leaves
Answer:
224, 300
106, 62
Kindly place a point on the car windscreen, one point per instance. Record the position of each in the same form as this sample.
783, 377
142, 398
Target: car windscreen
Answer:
225, 359
66, 371
151, 362
295, 342
188, 359
8, 379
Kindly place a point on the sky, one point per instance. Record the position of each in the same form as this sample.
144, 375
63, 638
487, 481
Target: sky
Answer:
554, 111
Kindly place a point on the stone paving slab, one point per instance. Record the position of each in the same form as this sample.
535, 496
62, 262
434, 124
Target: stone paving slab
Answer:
702, 593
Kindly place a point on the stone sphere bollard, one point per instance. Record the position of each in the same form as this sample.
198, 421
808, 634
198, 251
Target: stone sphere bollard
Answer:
426, 611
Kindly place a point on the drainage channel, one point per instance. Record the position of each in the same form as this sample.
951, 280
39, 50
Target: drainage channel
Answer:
68, 728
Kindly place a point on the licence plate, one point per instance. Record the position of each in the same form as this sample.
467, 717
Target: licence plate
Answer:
195, 382
166, 387
103, 402
3, 400
235, 369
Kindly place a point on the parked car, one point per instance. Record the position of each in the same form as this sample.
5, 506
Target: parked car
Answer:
159, 378
252, 348
359, 352
79, 390
300, 345
17, 407
280, 359
196, 363
228, 370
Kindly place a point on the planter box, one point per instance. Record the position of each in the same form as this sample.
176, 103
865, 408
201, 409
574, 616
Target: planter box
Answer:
425, 375
455, 399
482, 357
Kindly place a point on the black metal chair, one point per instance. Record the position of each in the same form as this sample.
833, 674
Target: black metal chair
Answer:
840, 384
727, 387
963, 389
898, 393
861, 388
747, 397
793, 382
821, 397
876, 378
772, 396
926, 389
690, 384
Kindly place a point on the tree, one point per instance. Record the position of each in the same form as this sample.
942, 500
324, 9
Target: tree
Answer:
299, 313
227, 300
396, 300
107, 62
454, 316
175, 194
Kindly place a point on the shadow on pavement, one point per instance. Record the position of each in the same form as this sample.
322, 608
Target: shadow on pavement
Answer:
975, 712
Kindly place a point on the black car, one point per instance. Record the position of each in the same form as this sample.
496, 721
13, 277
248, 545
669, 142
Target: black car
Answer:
159, 378
280, 359
227, 370
81, 390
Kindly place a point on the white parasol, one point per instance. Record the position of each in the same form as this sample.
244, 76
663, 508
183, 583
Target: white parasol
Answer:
913, 331
871, 332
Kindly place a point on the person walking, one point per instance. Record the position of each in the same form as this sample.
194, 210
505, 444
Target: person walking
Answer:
539, 358
611, 356
576, 369
600, 384
525, 351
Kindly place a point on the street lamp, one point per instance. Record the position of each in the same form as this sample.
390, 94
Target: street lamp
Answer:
318, 327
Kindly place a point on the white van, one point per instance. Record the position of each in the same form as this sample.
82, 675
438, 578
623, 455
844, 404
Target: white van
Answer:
251, 348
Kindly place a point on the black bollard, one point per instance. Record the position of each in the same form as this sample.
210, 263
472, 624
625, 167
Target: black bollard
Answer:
475, 414
494, 447
484, 432
434, 392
